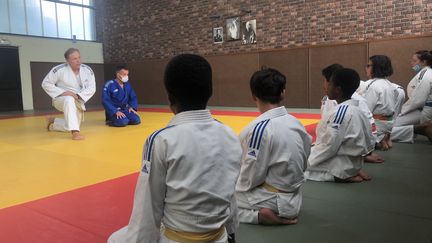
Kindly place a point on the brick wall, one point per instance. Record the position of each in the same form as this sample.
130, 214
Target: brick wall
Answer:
134, 30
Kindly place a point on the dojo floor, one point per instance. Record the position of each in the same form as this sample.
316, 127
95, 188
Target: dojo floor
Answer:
53, 189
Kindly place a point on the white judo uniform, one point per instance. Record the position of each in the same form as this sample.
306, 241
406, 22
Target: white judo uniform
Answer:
381, 98
187, 182
275, 150
400, 100
60, 79
328, 106
344, 137
417, 109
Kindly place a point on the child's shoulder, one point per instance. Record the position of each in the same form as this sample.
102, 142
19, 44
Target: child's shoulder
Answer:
158, 133
344, 111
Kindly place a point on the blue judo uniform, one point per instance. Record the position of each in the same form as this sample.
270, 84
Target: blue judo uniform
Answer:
115, 98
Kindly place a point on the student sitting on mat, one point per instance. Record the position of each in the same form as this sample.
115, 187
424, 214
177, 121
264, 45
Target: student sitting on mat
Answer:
327, 105
275, 150
185, 191
344, 136
381, 97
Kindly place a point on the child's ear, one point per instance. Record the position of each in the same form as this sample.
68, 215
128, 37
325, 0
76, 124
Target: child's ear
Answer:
282, 95
254, 98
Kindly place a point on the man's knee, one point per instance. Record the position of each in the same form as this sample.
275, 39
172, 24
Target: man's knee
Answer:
68, 100
135, 121
119, 122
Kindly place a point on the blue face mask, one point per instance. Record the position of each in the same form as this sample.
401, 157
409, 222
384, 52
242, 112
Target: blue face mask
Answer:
417, 68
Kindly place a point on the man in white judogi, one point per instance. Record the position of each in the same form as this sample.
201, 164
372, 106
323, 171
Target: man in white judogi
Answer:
70, 85
275, 150
344, 137
185, 191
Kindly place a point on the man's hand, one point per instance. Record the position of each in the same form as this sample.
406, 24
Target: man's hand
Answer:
120, 115
70, 93
133, 111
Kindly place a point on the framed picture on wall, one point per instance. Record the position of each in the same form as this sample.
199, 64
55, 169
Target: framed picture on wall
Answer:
249, 32
233, 28
218, 35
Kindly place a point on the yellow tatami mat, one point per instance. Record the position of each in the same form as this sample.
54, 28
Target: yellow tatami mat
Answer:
35, 163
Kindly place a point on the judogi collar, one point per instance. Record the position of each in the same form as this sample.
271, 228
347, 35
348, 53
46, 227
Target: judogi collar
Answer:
275, 112
191, 116
350, 102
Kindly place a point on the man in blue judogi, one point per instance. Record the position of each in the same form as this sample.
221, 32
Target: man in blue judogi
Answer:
120, 101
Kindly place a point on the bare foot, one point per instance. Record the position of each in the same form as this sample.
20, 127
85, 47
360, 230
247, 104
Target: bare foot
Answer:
374, 158
266, 216
424, 129
384, 146
388, 141
49, 121
76, 135
354, 179
364, 176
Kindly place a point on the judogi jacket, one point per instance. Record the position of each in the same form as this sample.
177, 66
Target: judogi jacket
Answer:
419, 91
344, 137
328, 106
381, 97
115, 98
187, 179
61, 78
275, 151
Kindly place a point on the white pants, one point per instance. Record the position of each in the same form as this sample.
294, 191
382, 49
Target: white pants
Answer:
120, 237
403, 130
286, 205
73, 114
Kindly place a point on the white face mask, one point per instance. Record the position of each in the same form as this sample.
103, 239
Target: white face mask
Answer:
417, 68
124, 79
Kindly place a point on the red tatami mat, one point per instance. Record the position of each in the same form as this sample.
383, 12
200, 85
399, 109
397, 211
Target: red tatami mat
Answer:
87, 215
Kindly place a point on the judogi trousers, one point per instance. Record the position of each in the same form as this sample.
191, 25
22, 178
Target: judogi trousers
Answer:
403, 129
286, 205
73, 114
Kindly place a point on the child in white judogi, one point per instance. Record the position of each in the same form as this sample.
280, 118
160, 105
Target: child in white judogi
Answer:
381, 97
416, 113
345, 135
275, 150
70, 85
328, 106
185, 191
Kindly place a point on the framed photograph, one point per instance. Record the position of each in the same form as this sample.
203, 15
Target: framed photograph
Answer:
249, 32
233, 28
218, 35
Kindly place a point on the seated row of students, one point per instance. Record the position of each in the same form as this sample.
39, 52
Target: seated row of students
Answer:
198, 180
386, 101
194, 169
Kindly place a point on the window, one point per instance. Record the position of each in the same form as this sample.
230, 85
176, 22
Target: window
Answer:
51, 18
4, 16
34, 17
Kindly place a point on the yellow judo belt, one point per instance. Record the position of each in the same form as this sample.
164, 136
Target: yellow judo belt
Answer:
193, 237
271, 188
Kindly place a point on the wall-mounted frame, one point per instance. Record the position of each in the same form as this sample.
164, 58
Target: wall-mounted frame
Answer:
218, 35
249, 32
233, 28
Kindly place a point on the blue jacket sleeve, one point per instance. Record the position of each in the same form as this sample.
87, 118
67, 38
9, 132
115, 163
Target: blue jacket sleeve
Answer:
106, 100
